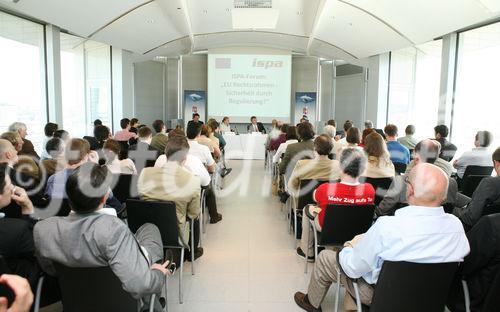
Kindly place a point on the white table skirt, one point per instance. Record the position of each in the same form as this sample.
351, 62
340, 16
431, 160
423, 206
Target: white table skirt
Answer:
245, 146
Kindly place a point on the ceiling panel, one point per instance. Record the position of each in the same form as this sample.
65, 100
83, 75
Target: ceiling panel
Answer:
147, 27
79, 17
356, 32
424, 20
210, 16
296, 17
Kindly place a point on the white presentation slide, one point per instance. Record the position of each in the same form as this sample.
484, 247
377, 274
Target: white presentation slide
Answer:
241, 86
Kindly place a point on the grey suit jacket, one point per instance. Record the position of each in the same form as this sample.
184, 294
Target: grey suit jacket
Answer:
488, 192
397, 195
294, 153
96, 240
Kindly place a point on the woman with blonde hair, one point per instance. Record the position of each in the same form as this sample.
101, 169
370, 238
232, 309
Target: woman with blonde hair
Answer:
379, 161
204, 139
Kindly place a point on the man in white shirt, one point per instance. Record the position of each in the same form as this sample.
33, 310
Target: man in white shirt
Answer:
193, 132
478, 156
421, 233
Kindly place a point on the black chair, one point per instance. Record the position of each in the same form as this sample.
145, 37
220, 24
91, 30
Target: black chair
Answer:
123, 149
163, 215
472, 177
341, 224
400, 168
381, 185
125, 187
305, 197
94, 289
492, 301
411, 287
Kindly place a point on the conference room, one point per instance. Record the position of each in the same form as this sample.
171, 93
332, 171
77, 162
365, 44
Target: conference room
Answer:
249, 155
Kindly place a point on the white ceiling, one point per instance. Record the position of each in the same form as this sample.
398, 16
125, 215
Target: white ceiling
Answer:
345, 29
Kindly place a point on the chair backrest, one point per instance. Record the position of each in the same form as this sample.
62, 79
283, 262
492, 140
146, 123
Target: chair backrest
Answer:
65, 208
470, 184
413, 287
125, 187
492, 300
124, 147
381, 185
400, 168
306, 190
343, 222
93, 289
477, 170
160, 213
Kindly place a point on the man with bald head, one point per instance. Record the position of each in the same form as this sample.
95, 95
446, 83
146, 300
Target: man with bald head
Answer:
421, 233
426, 151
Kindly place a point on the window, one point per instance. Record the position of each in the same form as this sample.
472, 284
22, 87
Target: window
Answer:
414, 88
86, 84
477, 105
22, 91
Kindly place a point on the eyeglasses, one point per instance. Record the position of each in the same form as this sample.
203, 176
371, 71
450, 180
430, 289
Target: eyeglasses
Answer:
407, 180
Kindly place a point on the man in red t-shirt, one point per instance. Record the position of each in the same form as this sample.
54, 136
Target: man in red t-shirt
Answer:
348, 191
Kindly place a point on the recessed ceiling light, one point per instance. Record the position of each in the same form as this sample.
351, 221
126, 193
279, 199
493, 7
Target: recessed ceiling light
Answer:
178, 8
151, 21
205, 11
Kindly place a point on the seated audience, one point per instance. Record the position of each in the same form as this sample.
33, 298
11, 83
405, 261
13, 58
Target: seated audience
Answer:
320, 168
25, 163
353, 138
56, 161
195, 165
28, 148
205, 140
368, 124
116, 166
76, 154
49, 130
173, 182
195, 120
216, 135
16, 234
297, 151
347, 125
399, 153
365, 133
142, 153
480, 267
291, 138
408, 140
125, 134
421, 232
379, 162
488, 192
441, 163
448, 149
196, 149
63, 135
97, 122
349, 190
277, 137
134, 125
331, 131
100, 239
159, 140
478, 156
102, 134
426, 151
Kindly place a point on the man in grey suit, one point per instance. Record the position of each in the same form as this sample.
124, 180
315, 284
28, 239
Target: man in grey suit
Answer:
90, 238
488, 192
297, 151
426, 151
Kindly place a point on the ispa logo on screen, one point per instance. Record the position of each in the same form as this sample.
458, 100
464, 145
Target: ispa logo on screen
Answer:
241, 86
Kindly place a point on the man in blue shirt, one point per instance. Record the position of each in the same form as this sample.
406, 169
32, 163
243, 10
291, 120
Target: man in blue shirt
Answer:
421, 233
399, 153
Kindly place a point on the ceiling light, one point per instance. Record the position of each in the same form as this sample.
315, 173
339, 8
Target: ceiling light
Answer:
253, 4
151, 21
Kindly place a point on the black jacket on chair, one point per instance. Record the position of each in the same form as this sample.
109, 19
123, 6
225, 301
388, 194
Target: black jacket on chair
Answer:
260, 126
488, 192
143, 151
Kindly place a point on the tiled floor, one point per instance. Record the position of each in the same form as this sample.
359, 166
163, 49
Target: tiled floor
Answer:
250, 262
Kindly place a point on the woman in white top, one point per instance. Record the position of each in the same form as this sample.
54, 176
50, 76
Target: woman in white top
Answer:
224, 125
379, 160
291, 137
111, 151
